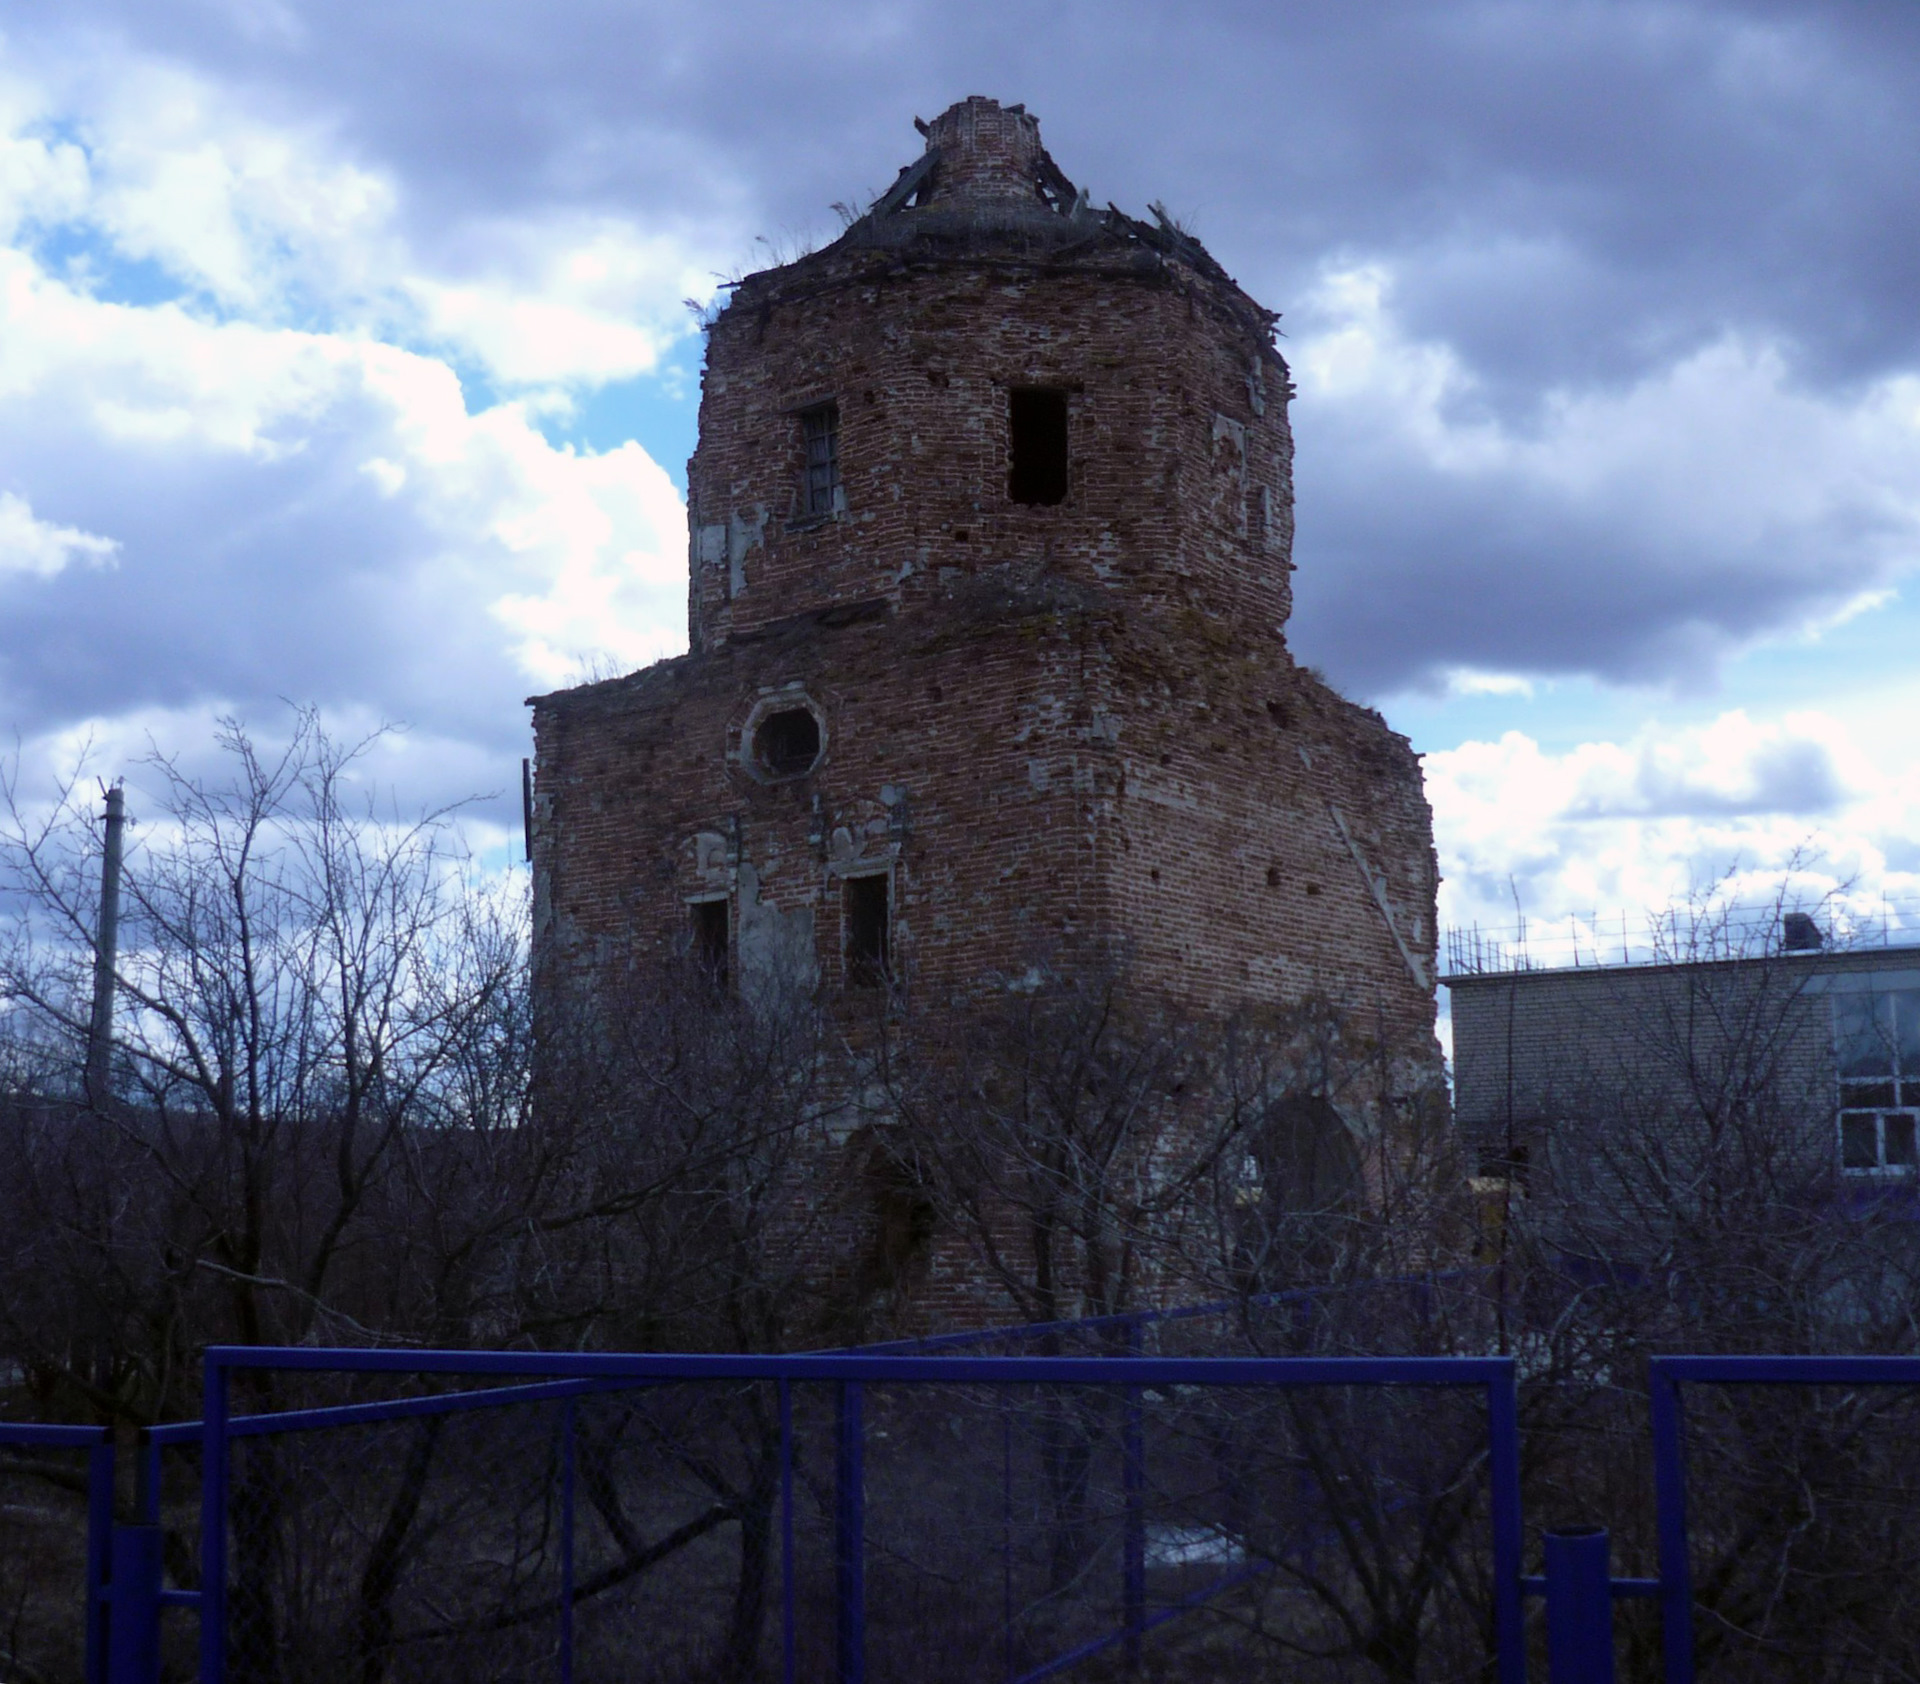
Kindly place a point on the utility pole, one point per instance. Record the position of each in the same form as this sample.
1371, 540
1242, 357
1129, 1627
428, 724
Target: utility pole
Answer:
106, 954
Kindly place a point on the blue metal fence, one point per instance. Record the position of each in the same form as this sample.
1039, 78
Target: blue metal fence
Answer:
565, 1379
94, 1446
1666, 1377
122, 1597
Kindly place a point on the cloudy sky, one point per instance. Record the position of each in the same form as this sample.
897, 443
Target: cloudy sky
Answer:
344, 360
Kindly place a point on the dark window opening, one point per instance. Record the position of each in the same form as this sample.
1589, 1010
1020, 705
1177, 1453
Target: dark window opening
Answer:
866, 903
787, 743
1867, 1093
1505, 1163
820, 430
1039, 447
1896, 1133
710, 939
1859, 1140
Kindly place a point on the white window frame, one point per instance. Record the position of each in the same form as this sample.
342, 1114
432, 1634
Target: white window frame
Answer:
1902, 1085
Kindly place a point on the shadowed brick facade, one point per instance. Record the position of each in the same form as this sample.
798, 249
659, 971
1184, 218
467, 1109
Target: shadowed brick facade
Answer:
1052, 708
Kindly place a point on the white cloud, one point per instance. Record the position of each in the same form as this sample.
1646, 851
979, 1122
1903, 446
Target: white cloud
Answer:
304, 505
40, 179
566, 304
271, 219
341, 528
252, 212
616, 529
302, 502
1465, 681
39, 547
1608, 830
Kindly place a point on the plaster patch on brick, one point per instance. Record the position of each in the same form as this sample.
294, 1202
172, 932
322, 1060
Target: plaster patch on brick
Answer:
776, 948
710, 865
745, 532
1230, 447
1257, 386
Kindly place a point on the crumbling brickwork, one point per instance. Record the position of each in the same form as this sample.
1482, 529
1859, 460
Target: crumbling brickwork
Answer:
997, 491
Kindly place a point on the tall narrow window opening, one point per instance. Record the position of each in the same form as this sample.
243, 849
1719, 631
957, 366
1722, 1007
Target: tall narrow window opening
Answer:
866, 911
820, 430
1037, 471
710, 933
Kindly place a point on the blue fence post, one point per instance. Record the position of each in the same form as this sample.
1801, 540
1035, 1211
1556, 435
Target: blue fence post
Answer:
1503, 1445
788, 1654
1006, 1534
133, 1643
213, 1523
99, 1556
1133, 1479
1670, 1500
147, 1480
850, 1537
1579, 1606
566, 1541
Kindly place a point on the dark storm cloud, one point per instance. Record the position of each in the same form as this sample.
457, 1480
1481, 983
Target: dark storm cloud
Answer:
1678, 551
1670, 168
1571, 198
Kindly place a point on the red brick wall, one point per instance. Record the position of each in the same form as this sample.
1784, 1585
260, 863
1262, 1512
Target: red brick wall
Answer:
1061, 729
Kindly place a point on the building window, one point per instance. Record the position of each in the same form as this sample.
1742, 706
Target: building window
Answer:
1037, 455
786, 743
710, 939
867, 911
1877, 1142
1876, 1048
820, 434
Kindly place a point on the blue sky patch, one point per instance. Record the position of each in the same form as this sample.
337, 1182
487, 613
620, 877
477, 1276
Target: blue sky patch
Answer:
660, 412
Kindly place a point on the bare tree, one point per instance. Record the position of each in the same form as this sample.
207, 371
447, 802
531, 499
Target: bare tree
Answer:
305, 985
321, 1128
1092, 1151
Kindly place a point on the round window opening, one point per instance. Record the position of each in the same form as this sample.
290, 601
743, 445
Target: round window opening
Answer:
787, 743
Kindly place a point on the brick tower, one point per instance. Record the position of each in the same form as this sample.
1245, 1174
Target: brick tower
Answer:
989, 572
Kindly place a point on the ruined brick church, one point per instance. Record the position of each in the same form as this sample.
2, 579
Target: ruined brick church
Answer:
991, 517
